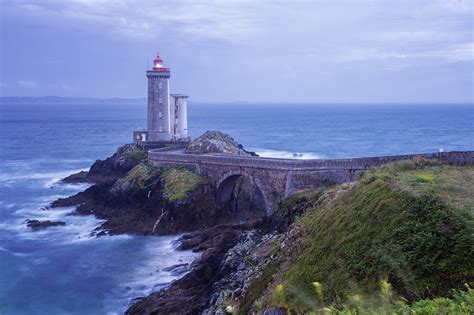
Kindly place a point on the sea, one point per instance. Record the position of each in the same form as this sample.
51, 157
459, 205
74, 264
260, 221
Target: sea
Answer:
65, 270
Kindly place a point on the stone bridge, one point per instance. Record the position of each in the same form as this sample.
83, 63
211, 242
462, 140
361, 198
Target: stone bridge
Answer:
277, 178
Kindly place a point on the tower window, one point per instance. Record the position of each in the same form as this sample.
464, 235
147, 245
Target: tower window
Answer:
160, 100
160, 85
160, 114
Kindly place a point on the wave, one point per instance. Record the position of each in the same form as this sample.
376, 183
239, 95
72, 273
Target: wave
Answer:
48, 179
280, 154
152, 273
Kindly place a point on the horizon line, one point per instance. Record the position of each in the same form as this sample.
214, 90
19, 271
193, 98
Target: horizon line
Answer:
239, 102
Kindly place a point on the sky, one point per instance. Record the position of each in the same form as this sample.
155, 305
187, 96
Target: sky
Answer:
257, 51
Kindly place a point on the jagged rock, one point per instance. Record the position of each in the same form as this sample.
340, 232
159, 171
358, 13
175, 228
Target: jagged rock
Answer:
240, 266
178, 269
38, 225
112, 168
216, 142
189, 295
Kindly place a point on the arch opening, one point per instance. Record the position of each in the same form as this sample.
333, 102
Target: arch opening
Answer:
241, 196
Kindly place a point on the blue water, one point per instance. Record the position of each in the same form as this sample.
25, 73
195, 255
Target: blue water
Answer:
62, 270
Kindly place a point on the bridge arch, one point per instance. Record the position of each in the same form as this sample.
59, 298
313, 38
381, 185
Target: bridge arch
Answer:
227, 183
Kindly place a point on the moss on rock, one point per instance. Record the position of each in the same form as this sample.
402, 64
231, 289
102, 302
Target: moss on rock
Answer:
137, 153
179, 182
137, 178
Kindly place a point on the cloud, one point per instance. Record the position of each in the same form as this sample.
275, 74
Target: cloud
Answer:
452, 53
27, 83
219, 20
62, 86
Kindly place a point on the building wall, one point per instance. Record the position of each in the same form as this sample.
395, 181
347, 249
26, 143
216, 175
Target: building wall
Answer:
159, 124
183, 118
179, 117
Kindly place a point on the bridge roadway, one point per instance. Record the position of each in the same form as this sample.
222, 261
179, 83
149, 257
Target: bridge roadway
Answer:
277, 178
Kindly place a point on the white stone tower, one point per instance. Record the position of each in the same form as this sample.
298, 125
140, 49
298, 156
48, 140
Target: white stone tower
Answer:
159, 124
167, 114
179, 113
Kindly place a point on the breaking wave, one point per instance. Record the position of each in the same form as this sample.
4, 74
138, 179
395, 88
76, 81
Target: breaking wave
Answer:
279, 154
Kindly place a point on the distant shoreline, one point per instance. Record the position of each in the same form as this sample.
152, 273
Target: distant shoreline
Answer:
41, 100
68, 100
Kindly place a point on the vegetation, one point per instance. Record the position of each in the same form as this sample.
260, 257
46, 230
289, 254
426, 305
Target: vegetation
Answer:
137, 153
258, 286
407, 223
452, 184
139, 176
179, 182
296, 204
386, 302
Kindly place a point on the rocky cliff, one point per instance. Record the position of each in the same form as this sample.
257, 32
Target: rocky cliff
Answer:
402, 233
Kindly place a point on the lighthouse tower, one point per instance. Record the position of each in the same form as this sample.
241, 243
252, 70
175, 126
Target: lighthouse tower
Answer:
159, 124
167, 113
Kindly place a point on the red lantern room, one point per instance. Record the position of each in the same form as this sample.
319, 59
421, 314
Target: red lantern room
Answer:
158, 64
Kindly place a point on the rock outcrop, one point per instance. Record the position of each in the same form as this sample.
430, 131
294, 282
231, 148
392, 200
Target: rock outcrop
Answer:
39, 225
216, 142
112, 168
190, 294
149, 200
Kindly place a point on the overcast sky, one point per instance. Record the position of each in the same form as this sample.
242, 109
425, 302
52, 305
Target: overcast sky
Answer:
276, 51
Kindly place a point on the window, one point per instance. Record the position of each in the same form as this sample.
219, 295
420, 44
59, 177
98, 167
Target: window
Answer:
161, 129
160, 85
160, 114
160, 100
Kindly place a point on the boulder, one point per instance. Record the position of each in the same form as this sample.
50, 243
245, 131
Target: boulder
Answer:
38, 225
216, 142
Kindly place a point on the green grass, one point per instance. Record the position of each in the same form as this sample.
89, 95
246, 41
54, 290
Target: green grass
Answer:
138, 154
139, 175
387, 303
179, 182
406, 223
452, 184
294, 205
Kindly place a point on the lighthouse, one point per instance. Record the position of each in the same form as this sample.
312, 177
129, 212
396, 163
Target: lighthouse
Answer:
166, 113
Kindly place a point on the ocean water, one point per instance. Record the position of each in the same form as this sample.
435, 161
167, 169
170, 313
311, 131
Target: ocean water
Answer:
63, 270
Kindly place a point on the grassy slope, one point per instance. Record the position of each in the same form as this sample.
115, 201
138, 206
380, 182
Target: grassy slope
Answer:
406, 223
179, 182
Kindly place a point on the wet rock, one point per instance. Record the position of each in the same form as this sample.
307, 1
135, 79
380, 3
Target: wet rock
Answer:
38, 225
81, 177
190, 294
178, 269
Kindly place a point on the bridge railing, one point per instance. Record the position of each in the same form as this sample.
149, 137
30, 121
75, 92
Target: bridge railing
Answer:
173, 157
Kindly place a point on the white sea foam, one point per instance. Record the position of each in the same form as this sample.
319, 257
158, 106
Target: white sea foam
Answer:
286, 154
150, 276
48, 179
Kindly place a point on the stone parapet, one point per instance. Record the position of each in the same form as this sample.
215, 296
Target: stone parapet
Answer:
457, 158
